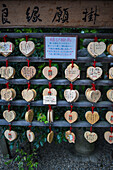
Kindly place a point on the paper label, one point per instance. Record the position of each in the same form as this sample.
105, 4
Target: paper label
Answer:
49, 100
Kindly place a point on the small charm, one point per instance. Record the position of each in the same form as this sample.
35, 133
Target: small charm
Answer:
109, 117
50, 96
8, 94
108, 137
6, 48
28, 72
27, 48
50, 116
92, 118
70, 136
29, 115
28, 94
72, 73
50, 137
9, 116
96, 48
111, 73
30, 135
10, 135
71, 95
110, 95
110, 49
94, 73
90, 136
50, 72
71, 117
7, 72
93, 95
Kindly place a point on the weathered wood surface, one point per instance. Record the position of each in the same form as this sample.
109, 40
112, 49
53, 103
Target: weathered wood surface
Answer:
59, 13
58, 82
41, 35
61, 103
55, 124
107, 59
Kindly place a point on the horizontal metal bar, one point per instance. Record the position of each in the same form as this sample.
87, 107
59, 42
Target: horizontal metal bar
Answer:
41, 35
57, 82
56, 123
60, 103
107, 59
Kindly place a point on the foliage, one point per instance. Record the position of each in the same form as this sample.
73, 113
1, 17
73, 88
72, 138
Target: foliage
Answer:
42, 118
24, 160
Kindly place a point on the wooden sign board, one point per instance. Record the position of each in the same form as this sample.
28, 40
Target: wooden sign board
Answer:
60, 47
56, 13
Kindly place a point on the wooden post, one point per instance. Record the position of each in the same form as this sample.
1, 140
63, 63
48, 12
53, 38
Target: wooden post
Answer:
81, 145
3, 145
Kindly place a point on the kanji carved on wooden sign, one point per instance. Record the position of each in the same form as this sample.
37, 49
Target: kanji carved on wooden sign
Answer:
59, 13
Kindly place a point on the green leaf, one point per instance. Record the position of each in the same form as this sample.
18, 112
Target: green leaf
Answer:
8, 162
37, 146
24, 158
46, 122
41, 143
17, 158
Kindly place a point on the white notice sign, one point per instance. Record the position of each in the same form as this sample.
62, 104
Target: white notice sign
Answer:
61, 47
49, 100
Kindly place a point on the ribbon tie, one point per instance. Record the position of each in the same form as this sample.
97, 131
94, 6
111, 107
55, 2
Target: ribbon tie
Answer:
72, 64
93, 86
50, 63
5, 38
71, 86
26, 38
49, 107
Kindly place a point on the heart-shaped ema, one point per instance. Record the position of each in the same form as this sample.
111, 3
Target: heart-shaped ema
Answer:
14, 93
96, 48
90, 136
10, 135
92, 118
50, 72
92, 95
35, 93
50, 136
49, 96
7, 72
30, 135
50, 92
27, 48
111, 73
28, 72
109, 117
70, 136
50, 116
94, 73
108, 137
6, 94
95, 96
28, 95
110, 94
29, 115
9, 116
71, 116
71, 95
6, 48
110, 49
72, 73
